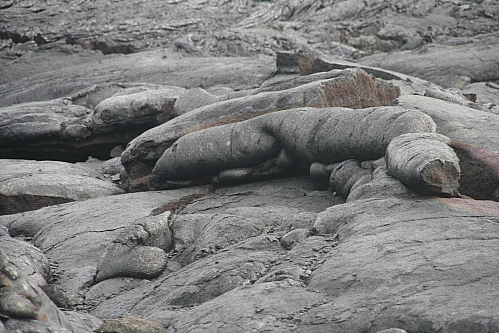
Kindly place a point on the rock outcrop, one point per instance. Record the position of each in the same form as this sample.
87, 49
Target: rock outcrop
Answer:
89, 123
351, 88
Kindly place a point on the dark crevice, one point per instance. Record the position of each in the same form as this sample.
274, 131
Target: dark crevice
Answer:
22, 203
178, 205
16, 37
61, 152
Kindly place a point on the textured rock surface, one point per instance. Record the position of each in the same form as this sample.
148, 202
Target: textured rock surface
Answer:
24, 271
350, 88
28, 185
93, 225
298, 232
91, 122
293, 139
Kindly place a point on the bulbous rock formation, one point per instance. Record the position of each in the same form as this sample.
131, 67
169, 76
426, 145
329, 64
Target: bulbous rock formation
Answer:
299, 137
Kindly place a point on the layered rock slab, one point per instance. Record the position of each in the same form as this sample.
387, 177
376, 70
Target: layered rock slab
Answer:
472, 61
393, 269
91, 122
220, 241
29, 185
154, 67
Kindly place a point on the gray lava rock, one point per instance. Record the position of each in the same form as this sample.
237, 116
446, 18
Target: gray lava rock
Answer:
345, 175
435, 257
114, 169
424, 162
139, 251
23, 304
154, 67
22, 125
304, 134
192, 99
135, 110
437, 63
282, 255
379, 185
91, 225
293, 237
141, 262
16, 306
70, 126
29, 185
354, 88
477, 149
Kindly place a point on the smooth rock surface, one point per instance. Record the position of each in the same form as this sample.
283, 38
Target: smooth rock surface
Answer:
29, 185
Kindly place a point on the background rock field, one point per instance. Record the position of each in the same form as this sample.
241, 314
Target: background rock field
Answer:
249, 166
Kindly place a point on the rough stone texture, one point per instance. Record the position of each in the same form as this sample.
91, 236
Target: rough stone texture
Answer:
437, 244
192, 99
23, 304
131, 324
424, 162
139, 251
477, 59
29, 185
477, 149
161, 67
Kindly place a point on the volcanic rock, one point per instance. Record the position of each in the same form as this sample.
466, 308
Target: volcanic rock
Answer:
29, 185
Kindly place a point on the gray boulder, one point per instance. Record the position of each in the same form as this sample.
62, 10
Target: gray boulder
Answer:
137, 110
